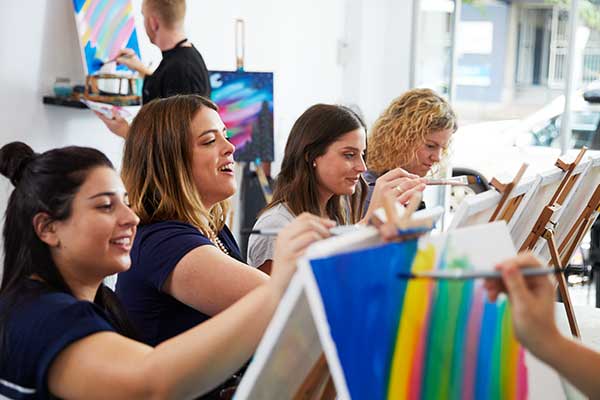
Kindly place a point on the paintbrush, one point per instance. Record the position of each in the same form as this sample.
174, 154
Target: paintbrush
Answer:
98, 63
464, 274
335, 231
462, 180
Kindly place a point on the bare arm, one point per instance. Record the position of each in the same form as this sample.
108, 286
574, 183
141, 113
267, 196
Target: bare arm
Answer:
107, 365
128, 58
532, 301
210, 281
117, 124
578, 364
266, 267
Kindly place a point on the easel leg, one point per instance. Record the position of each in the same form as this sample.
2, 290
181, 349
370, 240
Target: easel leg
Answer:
329, 392
318, 385
562, 284
575, 241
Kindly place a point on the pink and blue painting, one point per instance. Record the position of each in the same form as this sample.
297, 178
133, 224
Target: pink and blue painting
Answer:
245, 101
104, 28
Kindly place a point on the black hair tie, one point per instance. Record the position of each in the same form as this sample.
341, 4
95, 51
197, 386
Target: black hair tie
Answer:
18, 174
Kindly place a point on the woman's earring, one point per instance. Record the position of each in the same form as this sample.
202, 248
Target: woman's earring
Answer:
314, 164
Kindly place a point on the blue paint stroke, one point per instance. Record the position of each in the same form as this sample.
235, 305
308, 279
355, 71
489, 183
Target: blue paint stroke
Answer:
363, 300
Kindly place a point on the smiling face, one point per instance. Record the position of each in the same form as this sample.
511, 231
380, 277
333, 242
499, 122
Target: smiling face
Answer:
339, 169
212, 158
96, 239
429, 152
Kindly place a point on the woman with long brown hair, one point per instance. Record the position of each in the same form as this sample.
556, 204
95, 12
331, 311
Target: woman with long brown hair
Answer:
186, 265
321, 173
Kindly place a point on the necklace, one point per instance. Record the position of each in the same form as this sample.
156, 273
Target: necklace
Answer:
217, 242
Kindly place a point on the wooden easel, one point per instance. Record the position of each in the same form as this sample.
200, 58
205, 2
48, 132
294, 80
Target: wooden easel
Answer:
318, 384
555, 202
265, 187
541, 230
579, 228
506, 190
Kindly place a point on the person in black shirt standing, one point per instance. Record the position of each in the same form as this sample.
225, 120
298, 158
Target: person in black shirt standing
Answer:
182, 69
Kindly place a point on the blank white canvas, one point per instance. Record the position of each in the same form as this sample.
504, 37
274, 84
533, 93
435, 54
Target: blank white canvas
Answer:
478, 209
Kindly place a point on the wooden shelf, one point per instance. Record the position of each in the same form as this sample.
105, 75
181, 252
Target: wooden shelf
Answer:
75, 103
63, 101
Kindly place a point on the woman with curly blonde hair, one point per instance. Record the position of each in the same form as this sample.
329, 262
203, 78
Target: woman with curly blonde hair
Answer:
413, 134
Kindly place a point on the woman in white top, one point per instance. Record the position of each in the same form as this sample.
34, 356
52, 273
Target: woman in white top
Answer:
321, 173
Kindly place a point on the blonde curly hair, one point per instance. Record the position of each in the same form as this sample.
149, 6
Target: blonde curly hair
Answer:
403, 126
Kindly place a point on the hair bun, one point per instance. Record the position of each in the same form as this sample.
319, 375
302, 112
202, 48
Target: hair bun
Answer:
14, 157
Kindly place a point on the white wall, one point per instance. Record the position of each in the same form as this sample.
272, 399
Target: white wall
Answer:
295, 39
378, 34
298, 40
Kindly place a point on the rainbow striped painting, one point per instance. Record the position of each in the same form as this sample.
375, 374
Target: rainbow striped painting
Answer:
420, 339
245, 101
104, 27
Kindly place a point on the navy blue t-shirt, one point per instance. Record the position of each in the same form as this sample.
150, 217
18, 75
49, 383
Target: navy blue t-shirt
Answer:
156, 250
36, 332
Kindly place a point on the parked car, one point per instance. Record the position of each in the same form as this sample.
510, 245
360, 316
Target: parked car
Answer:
498, 148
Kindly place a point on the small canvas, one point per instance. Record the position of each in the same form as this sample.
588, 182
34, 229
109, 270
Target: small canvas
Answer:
573, 208
290, 348
104, 28
245, 101
388, 338
548, 186
478, 209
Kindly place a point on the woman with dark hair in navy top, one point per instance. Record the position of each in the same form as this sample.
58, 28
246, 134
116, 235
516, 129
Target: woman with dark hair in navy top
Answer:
62, 332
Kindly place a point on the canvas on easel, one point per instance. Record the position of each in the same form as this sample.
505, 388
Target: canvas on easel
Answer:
104, 28
554, 187
578, 215
537, 224
245, 101
387, 338
506, 205
574, 208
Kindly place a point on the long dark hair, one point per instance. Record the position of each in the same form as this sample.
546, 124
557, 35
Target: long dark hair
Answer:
296, 186
46, 183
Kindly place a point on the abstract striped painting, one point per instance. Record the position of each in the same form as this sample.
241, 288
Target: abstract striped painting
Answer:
104, 27
419, 339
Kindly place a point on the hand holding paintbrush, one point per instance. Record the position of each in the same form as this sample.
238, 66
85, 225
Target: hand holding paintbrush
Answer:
462, 180
397, 183
129, 58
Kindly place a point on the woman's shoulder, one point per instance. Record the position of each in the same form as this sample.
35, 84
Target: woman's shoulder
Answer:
165, 231
48, 313
277, 214
163, 243
166, 226
38, 328
36, 302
